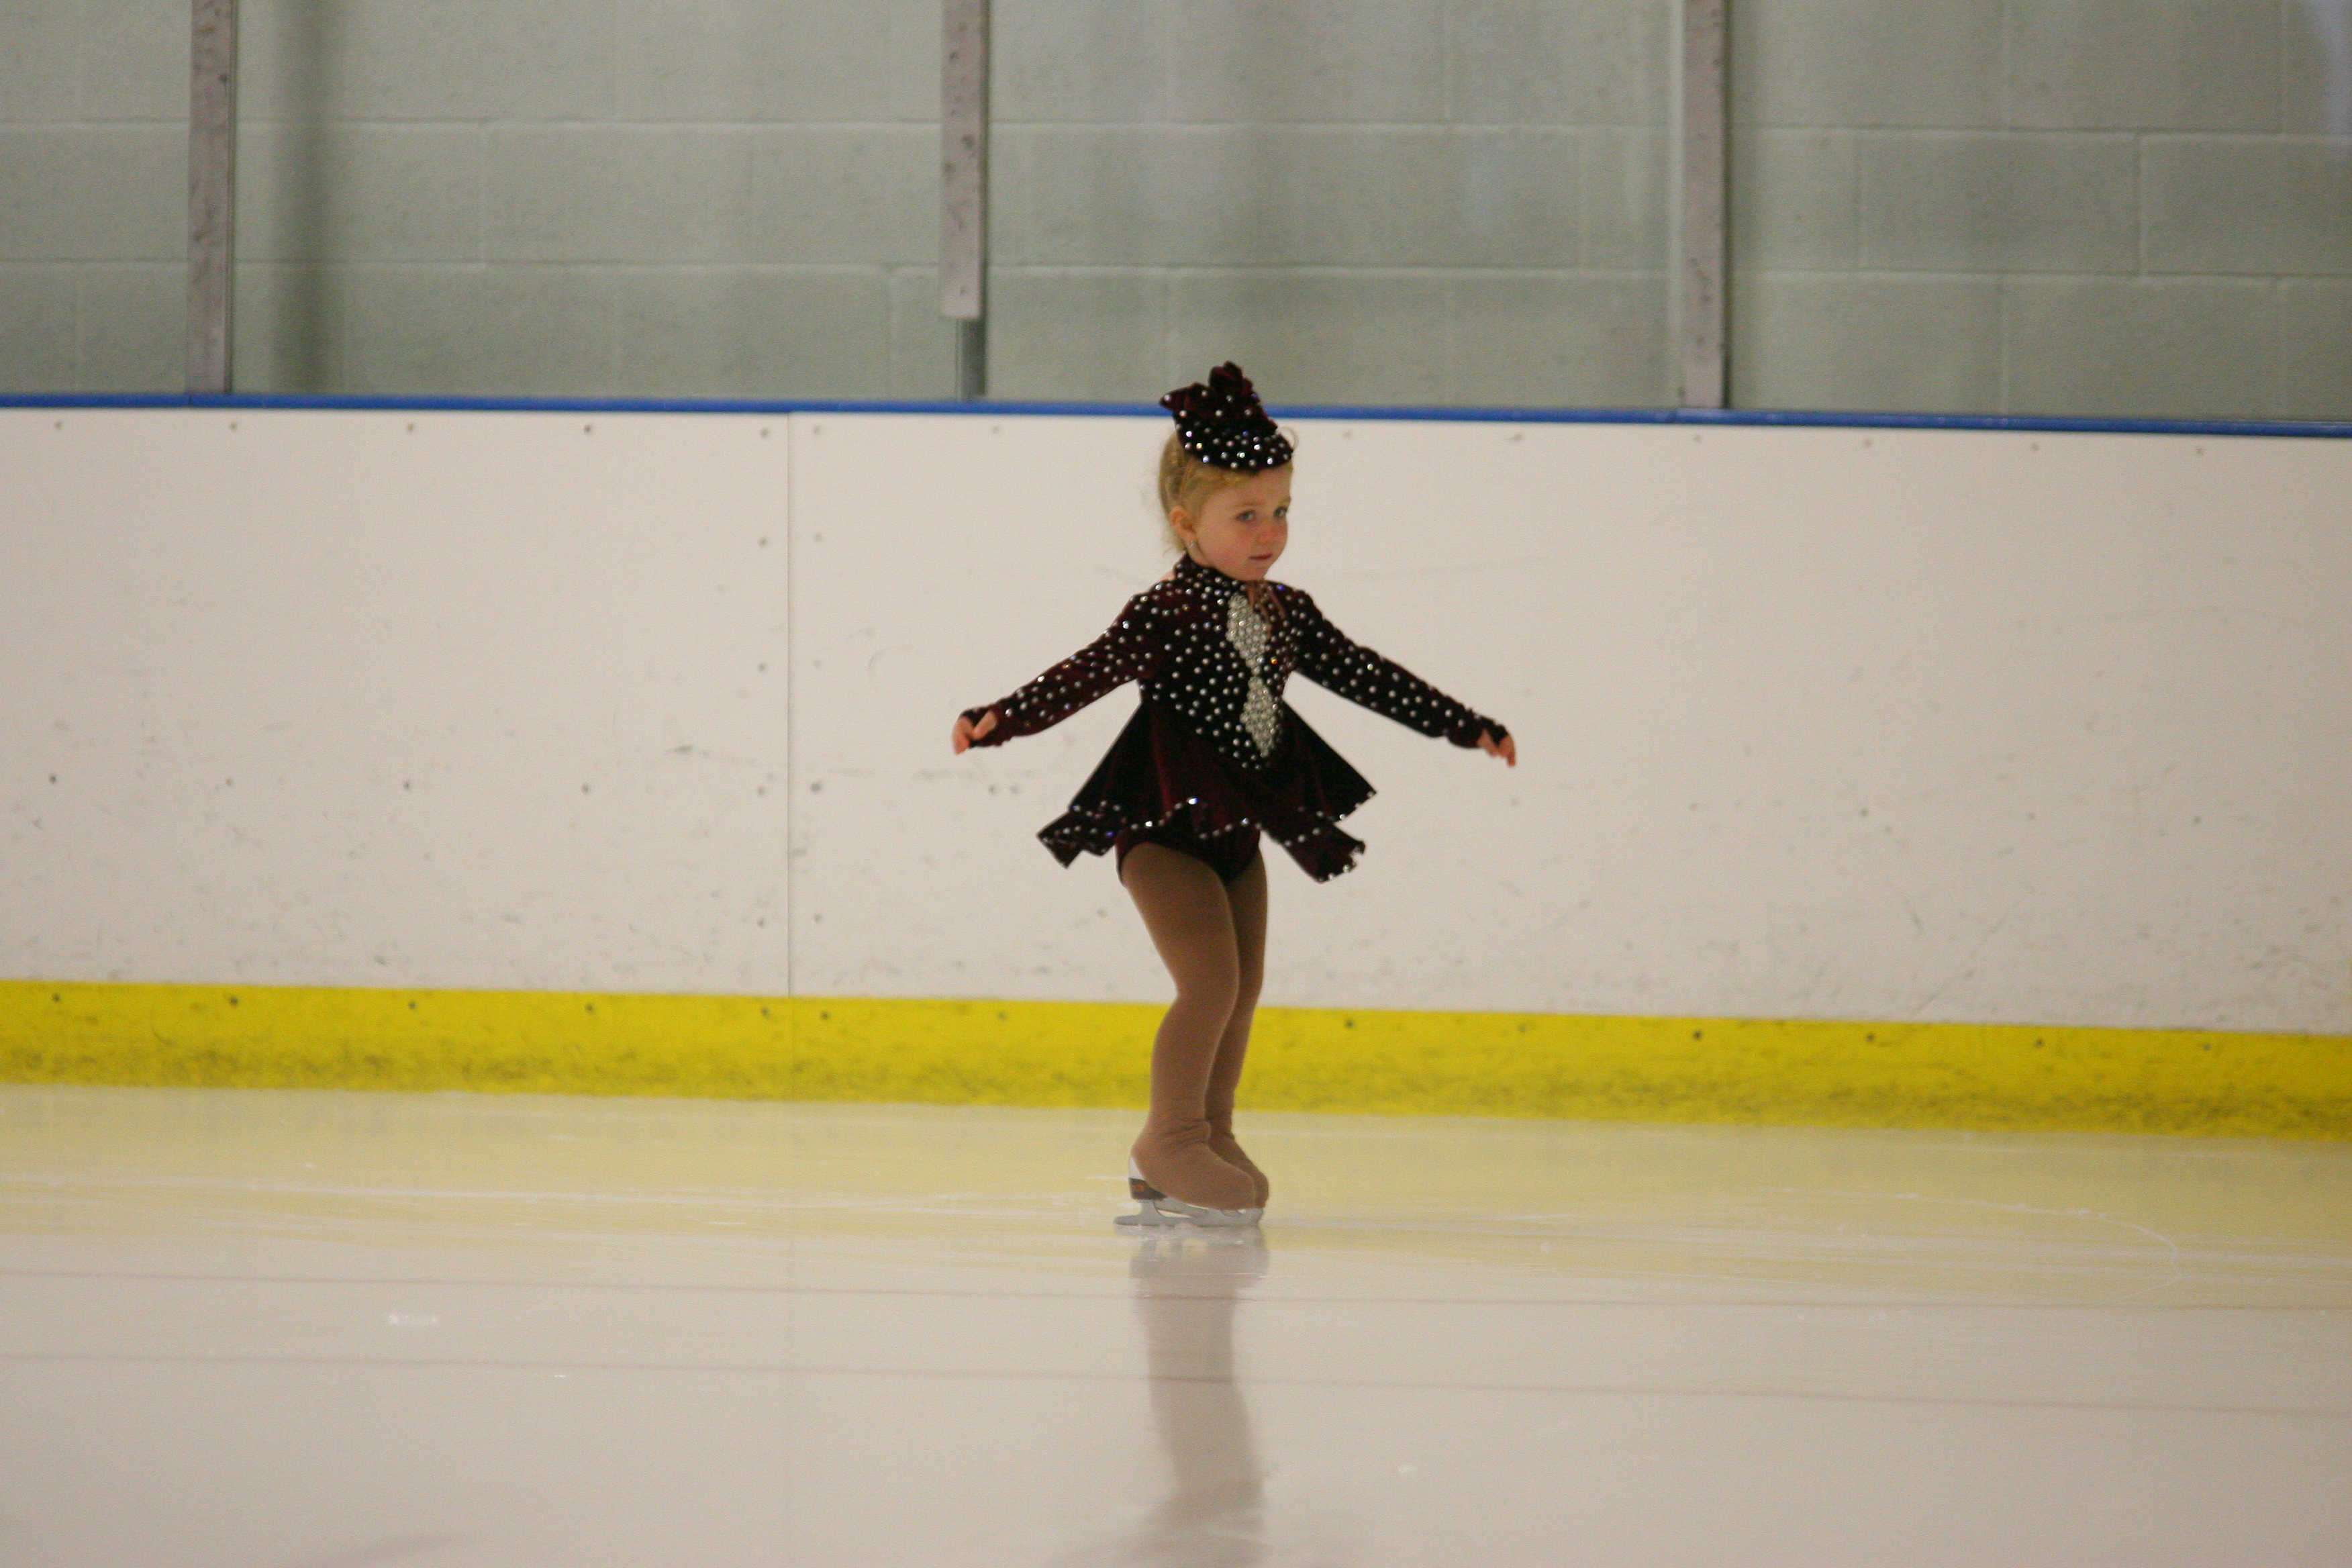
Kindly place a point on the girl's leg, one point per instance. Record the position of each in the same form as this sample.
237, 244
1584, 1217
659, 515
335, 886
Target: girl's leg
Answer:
1184, 907
1245, 895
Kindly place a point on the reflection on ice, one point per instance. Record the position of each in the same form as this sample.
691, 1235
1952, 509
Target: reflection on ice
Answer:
1186, 1288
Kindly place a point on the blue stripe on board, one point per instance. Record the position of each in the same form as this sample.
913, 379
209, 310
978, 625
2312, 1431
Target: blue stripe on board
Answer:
2331, 430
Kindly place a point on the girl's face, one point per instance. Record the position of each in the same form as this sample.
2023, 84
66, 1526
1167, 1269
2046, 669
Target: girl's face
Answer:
1242, 528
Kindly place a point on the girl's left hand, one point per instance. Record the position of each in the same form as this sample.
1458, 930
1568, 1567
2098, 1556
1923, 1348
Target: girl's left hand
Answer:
1508, 749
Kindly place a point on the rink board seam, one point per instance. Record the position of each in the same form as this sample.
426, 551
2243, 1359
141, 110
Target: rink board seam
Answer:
1786, 1072
1359, 413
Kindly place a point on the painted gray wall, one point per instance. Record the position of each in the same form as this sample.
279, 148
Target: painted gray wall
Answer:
2128, 207
2133, 207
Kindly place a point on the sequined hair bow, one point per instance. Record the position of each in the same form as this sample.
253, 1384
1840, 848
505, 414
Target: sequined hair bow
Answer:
1221, 421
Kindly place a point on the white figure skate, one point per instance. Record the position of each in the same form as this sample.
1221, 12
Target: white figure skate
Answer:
1157, 1210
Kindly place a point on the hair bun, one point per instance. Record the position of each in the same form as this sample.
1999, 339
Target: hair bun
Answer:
1221, 421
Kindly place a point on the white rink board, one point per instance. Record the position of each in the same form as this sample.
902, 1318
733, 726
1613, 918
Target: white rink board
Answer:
1956, 726
1814, 723
407, 700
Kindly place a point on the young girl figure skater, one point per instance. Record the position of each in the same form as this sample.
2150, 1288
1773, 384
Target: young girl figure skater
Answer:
1213, 758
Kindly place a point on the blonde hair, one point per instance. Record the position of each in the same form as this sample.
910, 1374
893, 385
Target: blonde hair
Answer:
1186, 481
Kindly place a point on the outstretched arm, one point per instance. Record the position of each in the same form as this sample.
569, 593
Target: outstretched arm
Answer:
1130, 650
1329, 659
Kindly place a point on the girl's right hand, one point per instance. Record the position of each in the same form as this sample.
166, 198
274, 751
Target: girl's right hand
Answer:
966, 732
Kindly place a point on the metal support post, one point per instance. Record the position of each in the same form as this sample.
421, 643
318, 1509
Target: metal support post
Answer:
963, 188
212, 196
1702, 342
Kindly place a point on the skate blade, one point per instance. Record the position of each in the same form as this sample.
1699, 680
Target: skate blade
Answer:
1162, 1212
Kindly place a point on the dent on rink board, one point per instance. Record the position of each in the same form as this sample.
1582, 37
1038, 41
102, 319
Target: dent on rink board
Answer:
1901, 776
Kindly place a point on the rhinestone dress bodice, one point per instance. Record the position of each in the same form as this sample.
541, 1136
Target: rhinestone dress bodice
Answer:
1260, 721
1211, 658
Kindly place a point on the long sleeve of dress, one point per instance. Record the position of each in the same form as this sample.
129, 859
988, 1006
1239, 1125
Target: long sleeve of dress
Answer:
1328, 657
1132, 650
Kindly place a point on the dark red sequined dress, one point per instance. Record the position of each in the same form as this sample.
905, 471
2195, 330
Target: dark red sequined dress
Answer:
1213, 754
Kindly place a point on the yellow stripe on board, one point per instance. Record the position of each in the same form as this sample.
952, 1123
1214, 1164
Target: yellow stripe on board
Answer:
1069, 1053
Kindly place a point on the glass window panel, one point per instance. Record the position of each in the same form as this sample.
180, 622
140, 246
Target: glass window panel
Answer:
2132, 208
2102, 207
93, 197
1418, 203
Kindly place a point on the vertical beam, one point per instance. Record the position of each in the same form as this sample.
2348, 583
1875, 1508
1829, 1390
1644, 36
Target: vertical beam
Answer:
971, 359
1702, 344
963, 187
212, 195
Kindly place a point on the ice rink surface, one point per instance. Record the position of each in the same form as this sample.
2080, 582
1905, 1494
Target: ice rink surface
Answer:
288, 1329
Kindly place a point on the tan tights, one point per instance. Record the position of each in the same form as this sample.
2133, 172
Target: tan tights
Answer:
1212, 936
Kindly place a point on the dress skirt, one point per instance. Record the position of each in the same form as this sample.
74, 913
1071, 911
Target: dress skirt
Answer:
1160, 775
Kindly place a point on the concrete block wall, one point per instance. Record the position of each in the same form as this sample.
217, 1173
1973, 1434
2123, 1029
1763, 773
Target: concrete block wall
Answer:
93, 194
1428, 201
2131, 207
2081, 206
